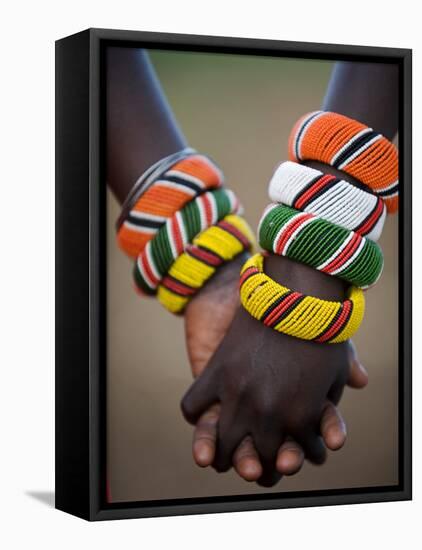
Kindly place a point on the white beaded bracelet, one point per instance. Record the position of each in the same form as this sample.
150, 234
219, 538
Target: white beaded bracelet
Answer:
330, 198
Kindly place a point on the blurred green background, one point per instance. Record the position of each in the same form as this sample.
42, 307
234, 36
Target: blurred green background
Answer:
238, 110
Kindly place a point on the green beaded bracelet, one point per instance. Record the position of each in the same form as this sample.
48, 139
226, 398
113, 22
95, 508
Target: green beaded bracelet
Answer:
169, 243
320, 244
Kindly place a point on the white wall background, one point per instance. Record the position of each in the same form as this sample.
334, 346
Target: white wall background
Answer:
27, 39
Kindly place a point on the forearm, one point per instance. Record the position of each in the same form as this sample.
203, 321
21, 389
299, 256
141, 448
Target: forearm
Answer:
141, 128
365, 92
368, 92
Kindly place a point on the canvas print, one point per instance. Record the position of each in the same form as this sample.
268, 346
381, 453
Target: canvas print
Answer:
252, 270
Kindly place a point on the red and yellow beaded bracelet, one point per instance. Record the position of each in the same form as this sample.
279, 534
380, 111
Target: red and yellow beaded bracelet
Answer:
297, 314
209, 251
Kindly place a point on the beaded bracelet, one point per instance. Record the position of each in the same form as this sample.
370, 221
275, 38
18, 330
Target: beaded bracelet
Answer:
145, 180
165, 190
297, 314
171, 240
331, 198
209, 250
306, 238
350, 146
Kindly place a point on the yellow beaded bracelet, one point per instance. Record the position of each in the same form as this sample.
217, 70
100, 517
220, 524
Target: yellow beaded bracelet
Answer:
297, 314
215, 246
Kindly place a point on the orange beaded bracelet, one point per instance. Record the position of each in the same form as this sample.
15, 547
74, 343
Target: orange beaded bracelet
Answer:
170, 190
348, 145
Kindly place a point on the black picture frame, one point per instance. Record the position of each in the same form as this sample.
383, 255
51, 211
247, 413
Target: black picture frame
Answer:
80, 282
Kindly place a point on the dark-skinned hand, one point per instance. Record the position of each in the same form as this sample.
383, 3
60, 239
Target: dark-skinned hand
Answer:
204, 333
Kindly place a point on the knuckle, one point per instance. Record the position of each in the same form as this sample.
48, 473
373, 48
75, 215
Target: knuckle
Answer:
234, 387
204, 436
187, 408
209, 419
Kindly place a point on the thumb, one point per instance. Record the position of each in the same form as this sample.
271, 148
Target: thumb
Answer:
200, 396
358, 376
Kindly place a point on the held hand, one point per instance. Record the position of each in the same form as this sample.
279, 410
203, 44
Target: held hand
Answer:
269, 386
210, 313
204, 333
290, 456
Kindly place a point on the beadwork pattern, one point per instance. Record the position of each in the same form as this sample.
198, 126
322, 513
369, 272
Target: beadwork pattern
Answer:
173, 237
306, 238
330, 198
348, 145
209, 250
297, 314
177, 186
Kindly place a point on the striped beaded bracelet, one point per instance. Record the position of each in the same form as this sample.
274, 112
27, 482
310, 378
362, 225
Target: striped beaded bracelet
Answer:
169, 243
350, 146
297, 314
209, 250
306, 238
331, 198
163, 190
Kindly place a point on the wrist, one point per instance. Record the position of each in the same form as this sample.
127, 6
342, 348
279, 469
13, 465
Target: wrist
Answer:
210, 312
304, 279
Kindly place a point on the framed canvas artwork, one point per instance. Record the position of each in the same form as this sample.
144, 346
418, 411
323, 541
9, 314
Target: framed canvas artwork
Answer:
233, 274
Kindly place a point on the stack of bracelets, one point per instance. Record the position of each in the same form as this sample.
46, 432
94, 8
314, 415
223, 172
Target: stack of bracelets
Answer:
181, 224
326, 223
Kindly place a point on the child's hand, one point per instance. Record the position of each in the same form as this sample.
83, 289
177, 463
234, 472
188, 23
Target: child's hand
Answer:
209, 314
259, 368
290, 457
270, 386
